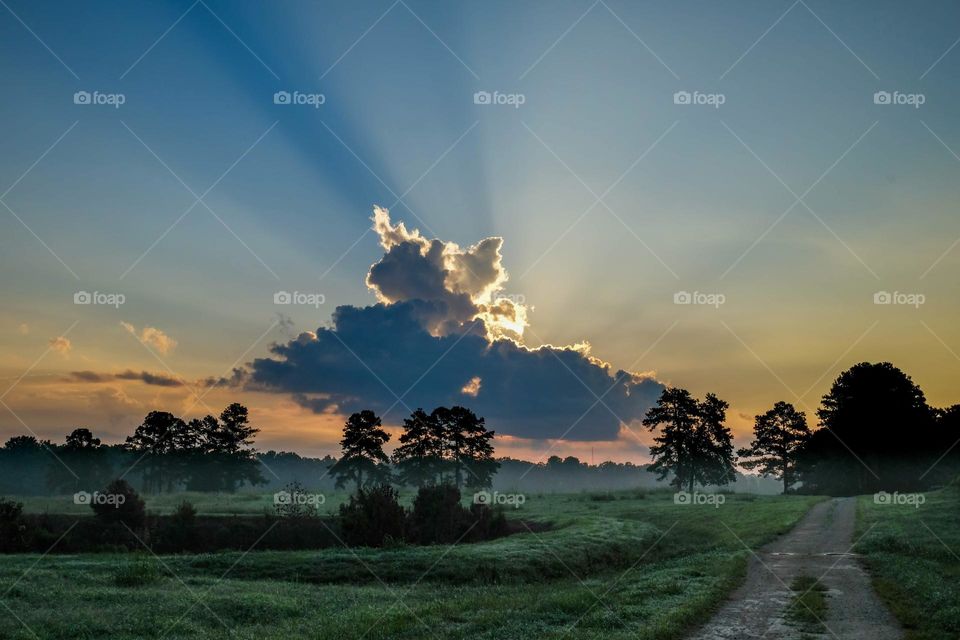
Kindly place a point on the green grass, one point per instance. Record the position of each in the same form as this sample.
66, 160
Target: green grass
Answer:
808, 608
912, 554
637, 566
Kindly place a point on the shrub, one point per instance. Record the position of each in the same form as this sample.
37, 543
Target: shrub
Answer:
179, 532
12, 527
371, 517
294, 503
118, 502
437, 515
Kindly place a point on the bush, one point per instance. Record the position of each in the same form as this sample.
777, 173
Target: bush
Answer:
437, 515
118, 502
372, 517
294, 503
12, 527
179, 532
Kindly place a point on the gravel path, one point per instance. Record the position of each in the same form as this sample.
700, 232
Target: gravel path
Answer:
820, 545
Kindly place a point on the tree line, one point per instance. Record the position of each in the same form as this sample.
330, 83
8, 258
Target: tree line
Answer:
877, 432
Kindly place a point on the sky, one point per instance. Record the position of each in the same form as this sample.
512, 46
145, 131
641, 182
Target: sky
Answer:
504, 205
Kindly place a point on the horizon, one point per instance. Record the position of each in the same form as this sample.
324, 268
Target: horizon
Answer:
729, 219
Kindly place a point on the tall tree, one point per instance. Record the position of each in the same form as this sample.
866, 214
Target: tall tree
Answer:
363, 461
160, 435
694, 444
778, 436
878, 434
713, 451
675, 415
419, 458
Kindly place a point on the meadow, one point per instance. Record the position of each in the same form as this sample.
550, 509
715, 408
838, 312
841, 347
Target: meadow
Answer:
911, 550
629, 564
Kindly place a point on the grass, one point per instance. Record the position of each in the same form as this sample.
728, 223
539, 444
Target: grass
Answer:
634, 566
912, 554
808, 608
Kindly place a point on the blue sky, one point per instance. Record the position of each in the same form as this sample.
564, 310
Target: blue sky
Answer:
697, 206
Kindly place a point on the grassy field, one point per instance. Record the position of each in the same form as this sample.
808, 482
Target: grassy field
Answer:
912, 553
622, 565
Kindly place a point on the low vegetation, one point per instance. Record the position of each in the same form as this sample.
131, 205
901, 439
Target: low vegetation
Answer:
633, 566
808, 608
911, 545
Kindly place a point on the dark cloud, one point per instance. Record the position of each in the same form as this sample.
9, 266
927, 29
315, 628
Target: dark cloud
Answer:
155, 379
442, 336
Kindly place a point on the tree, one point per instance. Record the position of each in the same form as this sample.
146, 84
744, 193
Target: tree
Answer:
158, 436
85, 464
467, 444
879, 434
675, 414
363, 461
419, 458
694, 444
713, 451
778, 436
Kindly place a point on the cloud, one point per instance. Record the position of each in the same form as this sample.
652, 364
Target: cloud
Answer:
24, 328
61, 345
442, 330
155, 379
153, 337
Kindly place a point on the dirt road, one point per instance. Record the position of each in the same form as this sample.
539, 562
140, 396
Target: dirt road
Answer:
819, 547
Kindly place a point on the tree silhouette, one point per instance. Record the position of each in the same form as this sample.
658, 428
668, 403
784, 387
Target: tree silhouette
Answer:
694, 444
419, 458
676, 415
363, 461
863, 446
778, 436
160, 435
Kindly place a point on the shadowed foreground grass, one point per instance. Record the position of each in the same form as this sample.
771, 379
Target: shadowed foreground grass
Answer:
912, 554
634, 566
